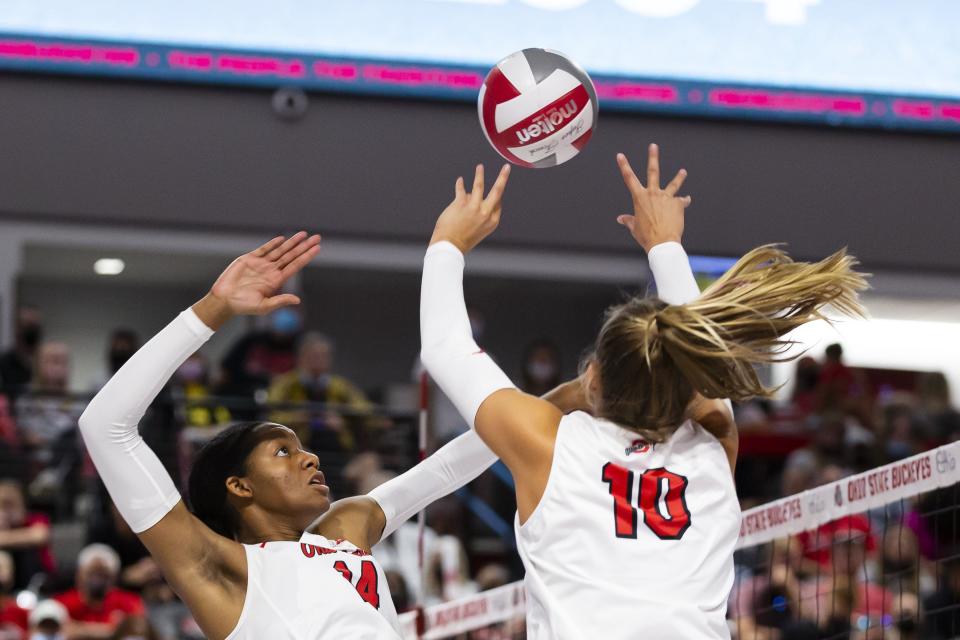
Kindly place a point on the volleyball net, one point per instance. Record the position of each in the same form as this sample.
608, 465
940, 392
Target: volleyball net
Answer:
873, 555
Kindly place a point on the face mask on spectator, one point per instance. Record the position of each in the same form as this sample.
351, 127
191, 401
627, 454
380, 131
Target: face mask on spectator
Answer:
191, 371
118, 358
96, 587
541, 371
907, 625
31, 335
285, 322
315, 383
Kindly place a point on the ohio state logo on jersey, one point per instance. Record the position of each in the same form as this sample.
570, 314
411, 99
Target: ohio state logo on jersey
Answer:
638, 446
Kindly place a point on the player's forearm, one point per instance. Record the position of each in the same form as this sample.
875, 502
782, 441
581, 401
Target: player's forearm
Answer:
671, 271
446, 470
466, 374
134, 476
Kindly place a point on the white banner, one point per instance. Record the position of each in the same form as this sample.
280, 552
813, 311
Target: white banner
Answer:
855, 494
468, 614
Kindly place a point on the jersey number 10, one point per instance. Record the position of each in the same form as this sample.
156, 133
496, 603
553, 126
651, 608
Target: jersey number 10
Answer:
669, 526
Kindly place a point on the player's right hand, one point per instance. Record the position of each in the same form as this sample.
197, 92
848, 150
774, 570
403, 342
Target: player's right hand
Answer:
657, 213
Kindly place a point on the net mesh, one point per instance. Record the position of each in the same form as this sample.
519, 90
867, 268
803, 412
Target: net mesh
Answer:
874, 555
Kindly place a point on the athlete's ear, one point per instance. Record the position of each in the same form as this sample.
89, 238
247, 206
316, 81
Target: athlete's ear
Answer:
239, 487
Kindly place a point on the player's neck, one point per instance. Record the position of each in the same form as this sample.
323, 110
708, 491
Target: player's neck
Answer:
265, 528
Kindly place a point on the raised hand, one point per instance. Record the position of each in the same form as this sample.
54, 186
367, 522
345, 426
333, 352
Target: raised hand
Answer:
657, 213
249, 285
470, 217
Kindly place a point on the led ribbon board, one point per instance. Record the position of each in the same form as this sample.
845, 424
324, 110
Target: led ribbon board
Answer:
886, 63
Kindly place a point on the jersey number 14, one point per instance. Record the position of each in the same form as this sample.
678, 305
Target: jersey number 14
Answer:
667, 526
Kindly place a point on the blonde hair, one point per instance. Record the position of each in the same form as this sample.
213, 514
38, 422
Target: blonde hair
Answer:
652, 357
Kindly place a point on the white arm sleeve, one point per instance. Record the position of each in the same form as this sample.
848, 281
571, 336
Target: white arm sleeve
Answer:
672, 273
446, 470
461, 369
132, 473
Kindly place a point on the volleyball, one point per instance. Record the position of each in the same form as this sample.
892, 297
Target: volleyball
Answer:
537, 108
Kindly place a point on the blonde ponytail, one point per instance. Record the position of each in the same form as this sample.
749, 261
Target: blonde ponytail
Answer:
652, 356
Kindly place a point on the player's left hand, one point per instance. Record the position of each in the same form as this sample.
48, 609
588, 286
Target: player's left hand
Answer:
470, 217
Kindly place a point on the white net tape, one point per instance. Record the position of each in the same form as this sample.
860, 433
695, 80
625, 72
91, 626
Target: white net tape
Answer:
872, 489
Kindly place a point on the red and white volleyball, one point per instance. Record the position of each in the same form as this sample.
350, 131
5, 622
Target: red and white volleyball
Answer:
537, 108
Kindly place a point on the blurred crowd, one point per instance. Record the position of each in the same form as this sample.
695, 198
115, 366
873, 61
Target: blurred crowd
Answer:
890, 573
71, 568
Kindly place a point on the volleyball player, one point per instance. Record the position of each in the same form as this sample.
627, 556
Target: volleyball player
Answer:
627, 518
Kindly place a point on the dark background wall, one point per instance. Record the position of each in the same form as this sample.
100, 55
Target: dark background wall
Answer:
218, 158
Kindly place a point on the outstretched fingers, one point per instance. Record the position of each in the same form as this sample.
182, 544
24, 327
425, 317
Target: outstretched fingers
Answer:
653, 167
297, 250
629, 176
268, 246
301, 261
496, 191
275, 302
476, 195
277, 252
675, 184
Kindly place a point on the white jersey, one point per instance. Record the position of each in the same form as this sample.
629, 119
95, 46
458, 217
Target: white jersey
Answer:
315, 589
631, 540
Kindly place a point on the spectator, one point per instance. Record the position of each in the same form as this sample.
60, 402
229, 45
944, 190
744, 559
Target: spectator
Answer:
492, 576
901, 432
191, 389
398, 591
16, 364
134, 629
10, 459
805, 385
139, 572
835, 382
48, 620
259, 356
96, 606
943, 614
13, 618
840, 388
123, 343
900, 560
448, 572
541, 368
936, 408
313, 381
47, 422
826, 447
851, 547
25, 536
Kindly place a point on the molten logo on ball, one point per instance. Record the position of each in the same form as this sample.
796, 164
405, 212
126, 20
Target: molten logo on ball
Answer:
537, 108
547, 122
